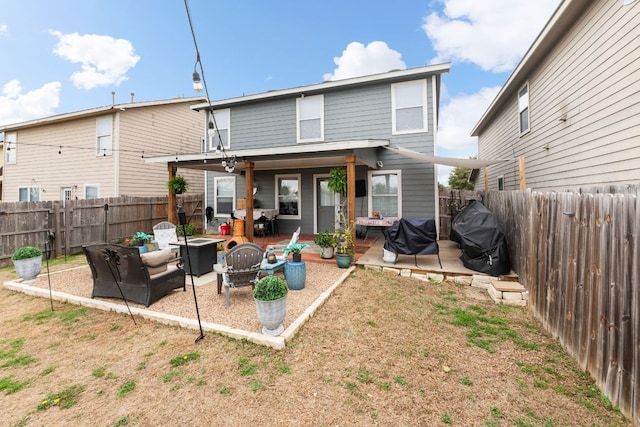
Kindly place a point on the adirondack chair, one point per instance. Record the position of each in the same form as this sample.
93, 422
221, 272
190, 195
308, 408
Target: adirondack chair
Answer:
165, 233
293, 241
242, 267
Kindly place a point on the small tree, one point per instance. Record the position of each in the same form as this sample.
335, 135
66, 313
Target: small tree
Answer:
459, 179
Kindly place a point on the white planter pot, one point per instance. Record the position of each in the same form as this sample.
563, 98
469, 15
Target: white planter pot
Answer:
388, 256
28, 269
271, 314
326, 253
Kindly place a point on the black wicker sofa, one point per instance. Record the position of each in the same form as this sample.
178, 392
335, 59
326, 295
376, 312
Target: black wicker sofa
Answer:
144, 279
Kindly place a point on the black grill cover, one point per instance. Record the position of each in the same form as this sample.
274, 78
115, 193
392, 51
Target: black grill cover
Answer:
480, 236
412, 236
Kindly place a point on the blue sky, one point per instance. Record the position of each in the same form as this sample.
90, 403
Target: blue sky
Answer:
69, 55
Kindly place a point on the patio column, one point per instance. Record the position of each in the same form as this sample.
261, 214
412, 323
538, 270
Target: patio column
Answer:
351, 194
172, 215
248, 191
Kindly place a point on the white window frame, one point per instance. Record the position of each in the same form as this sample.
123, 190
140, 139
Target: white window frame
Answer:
307, 111
501, 183
398, 104
87, 186
523, 107
221, 124
104, 139
11, 148
370, 193
217, 179
31, 192
297, 177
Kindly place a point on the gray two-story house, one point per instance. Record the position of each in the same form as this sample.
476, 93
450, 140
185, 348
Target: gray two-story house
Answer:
274, 150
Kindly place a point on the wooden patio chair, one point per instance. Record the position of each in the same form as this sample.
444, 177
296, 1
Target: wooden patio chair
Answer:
165, 233
243, 267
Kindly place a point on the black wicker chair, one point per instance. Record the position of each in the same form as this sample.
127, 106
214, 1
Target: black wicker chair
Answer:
112, 265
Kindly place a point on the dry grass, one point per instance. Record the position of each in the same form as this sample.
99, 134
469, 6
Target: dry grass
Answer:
383, 350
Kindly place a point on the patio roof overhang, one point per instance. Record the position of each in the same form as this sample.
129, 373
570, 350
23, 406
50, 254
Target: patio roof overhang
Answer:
300, 156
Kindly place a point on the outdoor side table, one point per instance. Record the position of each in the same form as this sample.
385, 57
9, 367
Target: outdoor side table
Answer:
203, 253
269, 269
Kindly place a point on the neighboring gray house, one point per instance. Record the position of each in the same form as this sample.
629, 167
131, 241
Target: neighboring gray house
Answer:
571, 108
287, 141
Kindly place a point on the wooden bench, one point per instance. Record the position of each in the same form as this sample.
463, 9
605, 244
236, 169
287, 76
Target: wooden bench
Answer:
144, 279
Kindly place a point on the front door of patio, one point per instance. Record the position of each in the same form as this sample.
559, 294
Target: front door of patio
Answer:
327, 203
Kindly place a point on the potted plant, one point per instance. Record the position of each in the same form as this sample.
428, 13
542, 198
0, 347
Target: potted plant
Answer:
326, 242
143, 240
28, 262
270, 295
344, 246
177, 184
295, 271
338, 181
295, 249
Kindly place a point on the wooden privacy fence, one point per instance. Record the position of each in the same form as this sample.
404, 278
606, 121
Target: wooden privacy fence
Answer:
577, 254
451, 202
84, 221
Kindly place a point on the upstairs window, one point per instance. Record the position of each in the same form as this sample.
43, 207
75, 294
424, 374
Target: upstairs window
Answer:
10, 148
523, 109
310, 113
409, 107
103, 136
225, 194
218, 129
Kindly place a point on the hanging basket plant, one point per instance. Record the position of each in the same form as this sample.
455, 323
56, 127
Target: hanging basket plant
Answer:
338, 181
177, 184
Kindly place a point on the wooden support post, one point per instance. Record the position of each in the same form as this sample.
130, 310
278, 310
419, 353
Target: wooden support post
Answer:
351, 194
172, 214
523, 173
486, 180
248, 194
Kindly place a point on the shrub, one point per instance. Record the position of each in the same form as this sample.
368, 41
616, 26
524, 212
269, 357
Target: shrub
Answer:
325, 239
26, 252
270, 288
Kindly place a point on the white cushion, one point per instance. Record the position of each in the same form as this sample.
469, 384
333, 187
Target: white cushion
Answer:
154, 258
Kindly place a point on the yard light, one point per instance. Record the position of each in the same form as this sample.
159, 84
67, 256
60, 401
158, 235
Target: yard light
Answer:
197, 83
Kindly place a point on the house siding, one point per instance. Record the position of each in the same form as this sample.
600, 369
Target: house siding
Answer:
349, 114
39, 164
591, 78
153, 130
149, 129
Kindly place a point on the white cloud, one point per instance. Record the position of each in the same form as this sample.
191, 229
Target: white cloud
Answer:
4, 29
360, 60
457, 119
104, 60
459, 116
494, 38
16, 106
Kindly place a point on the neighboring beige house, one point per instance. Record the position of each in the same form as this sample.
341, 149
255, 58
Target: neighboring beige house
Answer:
1, 164
571, 108
100, 152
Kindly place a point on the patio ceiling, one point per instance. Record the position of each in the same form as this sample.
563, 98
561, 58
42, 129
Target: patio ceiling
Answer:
300, 156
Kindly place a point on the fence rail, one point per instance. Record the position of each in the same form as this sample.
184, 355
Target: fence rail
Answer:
577, 253
77, 222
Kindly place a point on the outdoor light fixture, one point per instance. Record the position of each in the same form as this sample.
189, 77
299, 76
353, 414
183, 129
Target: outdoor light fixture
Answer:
228, 163
197, 84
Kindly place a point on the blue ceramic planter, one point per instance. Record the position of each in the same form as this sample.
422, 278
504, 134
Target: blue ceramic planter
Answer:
295, 274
